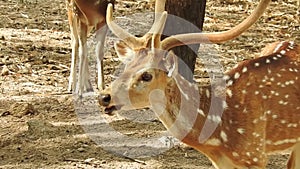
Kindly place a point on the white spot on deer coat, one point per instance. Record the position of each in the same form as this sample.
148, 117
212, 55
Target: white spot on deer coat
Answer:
235, 154
278, 47
230, 83
226, 77
237, 75
241, 130
225, 106
255, 121
229, 93
283, 52
207, 93
200, 111
245, 69
255, 159
286, 141
244, 91
223, 136
213, 142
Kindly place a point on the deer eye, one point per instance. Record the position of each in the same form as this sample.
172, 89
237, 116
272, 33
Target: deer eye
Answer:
146, 77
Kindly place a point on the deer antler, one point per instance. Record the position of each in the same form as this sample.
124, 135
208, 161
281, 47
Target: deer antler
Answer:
117, 30
130, 39
156, 37
215, 37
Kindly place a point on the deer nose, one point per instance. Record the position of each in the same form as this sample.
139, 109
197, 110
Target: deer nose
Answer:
104, 99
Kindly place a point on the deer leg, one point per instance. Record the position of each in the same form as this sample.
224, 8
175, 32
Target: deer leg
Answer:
74, 44
294, 161
83, 75
100, 38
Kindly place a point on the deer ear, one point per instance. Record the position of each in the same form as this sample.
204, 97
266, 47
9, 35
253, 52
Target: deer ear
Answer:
171, 64
124, 52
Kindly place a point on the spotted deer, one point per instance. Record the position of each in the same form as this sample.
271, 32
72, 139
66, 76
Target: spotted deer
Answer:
254, 113
84, 16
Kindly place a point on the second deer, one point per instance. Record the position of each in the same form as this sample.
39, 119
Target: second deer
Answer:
83, 16
256, 113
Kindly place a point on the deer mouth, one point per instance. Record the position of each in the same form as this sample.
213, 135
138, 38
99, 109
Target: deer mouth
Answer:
111, 109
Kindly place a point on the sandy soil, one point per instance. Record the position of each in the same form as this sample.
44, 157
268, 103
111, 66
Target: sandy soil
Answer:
41, 125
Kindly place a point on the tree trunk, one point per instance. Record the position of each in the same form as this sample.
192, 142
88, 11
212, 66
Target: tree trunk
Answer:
189, 18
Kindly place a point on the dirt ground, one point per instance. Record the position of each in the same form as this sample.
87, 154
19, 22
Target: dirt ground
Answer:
40, 123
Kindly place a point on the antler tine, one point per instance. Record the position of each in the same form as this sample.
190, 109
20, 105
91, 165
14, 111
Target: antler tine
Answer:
158, 30
216, 37
128, 38
160, 6
159, 9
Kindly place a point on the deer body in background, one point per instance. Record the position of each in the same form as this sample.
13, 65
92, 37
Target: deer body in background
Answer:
255, 114
83, 16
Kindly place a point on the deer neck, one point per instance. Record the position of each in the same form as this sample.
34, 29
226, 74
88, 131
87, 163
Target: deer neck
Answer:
188, 114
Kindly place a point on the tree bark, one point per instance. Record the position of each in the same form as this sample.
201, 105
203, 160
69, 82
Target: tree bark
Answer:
192, 13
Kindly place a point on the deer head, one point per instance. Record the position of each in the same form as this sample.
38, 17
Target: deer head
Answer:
144, 78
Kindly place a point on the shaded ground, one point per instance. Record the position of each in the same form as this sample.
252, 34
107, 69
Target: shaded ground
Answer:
38, 122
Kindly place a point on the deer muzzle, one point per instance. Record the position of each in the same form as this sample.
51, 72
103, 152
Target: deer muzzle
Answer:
105, 100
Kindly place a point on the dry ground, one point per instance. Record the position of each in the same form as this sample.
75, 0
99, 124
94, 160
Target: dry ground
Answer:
38, 122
